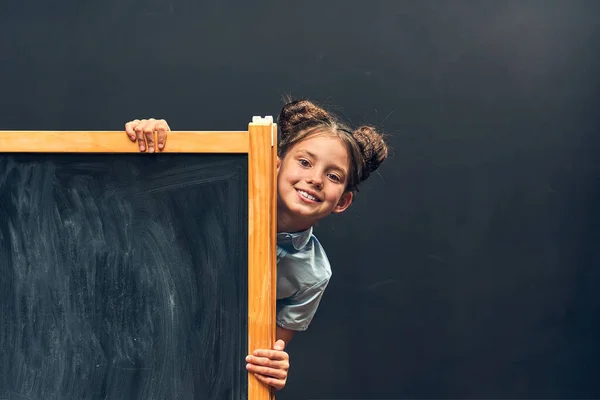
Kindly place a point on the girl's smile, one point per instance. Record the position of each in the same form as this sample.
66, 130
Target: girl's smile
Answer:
308, 196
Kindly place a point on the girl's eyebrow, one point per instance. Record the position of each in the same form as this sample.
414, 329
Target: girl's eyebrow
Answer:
340, 170
311, 155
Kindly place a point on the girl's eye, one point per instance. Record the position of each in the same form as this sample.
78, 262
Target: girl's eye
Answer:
304, 162
334, 177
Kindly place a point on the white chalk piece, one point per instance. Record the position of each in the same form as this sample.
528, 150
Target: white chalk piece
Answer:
260, 120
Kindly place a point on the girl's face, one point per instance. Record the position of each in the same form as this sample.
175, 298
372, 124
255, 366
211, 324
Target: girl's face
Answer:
311, 182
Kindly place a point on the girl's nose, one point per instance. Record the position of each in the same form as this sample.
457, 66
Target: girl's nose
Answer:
315, 181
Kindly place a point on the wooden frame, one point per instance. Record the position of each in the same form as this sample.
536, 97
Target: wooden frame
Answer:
259, 142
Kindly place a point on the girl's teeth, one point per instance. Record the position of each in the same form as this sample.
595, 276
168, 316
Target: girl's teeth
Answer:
308, 196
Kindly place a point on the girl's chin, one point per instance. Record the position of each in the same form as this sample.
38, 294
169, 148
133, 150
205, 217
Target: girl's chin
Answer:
298, 211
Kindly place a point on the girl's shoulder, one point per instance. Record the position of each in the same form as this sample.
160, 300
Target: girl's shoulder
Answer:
301, 252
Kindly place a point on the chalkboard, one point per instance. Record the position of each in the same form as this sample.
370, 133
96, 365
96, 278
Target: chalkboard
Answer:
128, 276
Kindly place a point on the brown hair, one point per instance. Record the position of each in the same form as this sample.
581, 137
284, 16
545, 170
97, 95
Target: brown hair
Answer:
301, 119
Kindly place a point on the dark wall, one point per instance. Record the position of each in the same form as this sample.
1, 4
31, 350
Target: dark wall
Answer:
468, 265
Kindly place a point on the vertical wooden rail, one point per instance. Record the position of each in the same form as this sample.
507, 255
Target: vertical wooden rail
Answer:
261, 253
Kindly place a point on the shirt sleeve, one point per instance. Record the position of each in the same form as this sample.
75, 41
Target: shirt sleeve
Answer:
296, 312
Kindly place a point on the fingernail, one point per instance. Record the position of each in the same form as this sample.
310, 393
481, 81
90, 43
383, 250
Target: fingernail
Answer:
132, 138
247, 358
151, 149
160, 145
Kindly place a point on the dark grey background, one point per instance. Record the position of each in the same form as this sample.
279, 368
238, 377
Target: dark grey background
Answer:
468, 265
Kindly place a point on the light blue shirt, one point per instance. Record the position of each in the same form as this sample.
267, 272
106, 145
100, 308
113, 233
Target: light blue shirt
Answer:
303, 272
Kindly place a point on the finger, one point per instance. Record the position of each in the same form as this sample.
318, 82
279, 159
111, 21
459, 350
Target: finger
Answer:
130, 131
278, 384
139, 133
279, 345
282, 365
264, 361
269, 372
271, 354
275, 383
149, 129
162, 127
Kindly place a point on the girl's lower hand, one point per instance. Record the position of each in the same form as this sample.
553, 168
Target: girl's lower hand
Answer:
270, 366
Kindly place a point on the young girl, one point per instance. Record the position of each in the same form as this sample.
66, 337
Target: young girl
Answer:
320, 164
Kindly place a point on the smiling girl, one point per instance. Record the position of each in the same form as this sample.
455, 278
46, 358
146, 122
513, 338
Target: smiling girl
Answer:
320, 165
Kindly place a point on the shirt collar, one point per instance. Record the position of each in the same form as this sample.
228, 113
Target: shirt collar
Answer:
299, 239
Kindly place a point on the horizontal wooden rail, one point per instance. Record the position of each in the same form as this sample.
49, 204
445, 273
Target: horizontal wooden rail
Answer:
118, 142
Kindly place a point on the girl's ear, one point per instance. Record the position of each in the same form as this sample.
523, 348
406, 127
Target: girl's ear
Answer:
278, 163
344, 202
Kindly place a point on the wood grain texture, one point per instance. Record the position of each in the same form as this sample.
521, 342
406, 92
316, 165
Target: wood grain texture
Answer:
118, 142
261, 253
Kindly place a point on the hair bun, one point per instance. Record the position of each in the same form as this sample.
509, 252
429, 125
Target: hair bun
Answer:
373, 148
300, 114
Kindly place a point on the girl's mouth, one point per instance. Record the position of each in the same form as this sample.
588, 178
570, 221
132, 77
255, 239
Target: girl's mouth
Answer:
307, 196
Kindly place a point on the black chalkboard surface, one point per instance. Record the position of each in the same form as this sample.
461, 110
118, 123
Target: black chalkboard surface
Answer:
123, 276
